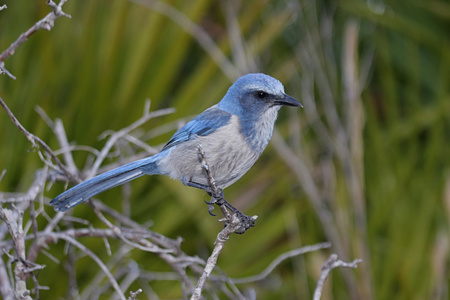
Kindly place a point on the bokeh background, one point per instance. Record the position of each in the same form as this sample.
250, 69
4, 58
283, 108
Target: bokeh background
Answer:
365, 165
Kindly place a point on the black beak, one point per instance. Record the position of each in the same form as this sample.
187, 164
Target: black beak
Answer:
288, 101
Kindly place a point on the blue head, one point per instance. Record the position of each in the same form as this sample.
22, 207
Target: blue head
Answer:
252, 95
255, 99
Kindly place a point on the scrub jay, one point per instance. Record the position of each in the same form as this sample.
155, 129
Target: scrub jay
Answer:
232, 134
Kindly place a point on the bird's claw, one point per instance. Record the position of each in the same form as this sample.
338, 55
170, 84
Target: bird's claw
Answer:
209, 202
210, 209
245, 222
234, 217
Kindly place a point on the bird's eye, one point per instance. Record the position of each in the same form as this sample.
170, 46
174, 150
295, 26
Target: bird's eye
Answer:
262, 95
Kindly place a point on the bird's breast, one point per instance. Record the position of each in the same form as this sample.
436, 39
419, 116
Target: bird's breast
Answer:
228, 154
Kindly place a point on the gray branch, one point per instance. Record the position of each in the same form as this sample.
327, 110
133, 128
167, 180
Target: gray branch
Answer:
45, 23
332, 263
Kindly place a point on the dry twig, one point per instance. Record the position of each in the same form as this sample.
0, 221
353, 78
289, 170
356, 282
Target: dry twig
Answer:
332, 263
222, 237
279, 260
114, 137
234, 224
45, 23
35, 141
133, 295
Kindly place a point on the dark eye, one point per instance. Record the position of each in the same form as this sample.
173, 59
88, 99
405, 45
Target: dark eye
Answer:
261, 94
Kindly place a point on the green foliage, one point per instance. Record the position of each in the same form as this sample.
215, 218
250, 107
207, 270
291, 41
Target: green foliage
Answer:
96, 70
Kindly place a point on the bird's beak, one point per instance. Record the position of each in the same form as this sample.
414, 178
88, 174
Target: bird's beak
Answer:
288, 101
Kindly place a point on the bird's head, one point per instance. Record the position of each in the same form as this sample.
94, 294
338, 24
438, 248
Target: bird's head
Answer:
254, 94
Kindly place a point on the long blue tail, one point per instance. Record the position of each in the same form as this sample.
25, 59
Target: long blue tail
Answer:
105, 181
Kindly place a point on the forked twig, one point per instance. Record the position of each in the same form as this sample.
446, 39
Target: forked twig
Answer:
45, 23
332, 263
279, 260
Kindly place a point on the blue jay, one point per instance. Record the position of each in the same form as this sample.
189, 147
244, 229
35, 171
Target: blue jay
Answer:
232, 134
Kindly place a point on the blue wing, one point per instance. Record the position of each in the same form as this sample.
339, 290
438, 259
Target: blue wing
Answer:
205, 123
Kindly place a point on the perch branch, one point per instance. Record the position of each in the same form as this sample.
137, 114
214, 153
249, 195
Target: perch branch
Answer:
234, 224
222, 237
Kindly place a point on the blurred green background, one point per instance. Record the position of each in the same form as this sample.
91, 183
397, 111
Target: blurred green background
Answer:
365, 165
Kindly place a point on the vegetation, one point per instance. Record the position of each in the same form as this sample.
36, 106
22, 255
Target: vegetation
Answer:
365, 165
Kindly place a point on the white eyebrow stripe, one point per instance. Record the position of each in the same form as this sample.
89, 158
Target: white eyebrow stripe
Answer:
268, 89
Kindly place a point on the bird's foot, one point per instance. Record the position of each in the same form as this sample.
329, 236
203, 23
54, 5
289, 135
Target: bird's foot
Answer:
241, 222
237, 221
233, 216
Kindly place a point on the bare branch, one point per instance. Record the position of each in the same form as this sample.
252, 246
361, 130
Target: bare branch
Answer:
95, 258
60, 133
234, 224
35, 141
133, 295
142, 245
30, 195
6, 290
45, 23
330, 264
279, 260
3, 70
222, 237
124, 132
14, 221
140, 143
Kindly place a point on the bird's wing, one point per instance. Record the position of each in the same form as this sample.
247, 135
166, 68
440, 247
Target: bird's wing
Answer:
205, 123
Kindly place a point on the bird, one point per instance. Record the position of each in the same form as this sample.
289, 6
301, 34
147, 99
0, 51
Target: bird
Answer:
232, 133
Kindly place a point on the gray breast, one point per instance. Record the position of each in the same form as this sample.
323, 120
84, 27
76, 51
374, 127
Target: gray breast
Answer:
228, 155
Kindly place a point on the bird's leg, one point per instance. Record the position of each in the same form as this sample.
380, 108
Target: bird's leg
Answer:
218, 197
208, 190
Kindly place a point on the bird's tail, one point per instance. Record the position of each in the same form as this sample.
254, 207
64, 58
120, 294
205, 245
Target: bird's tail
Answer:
105, 181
